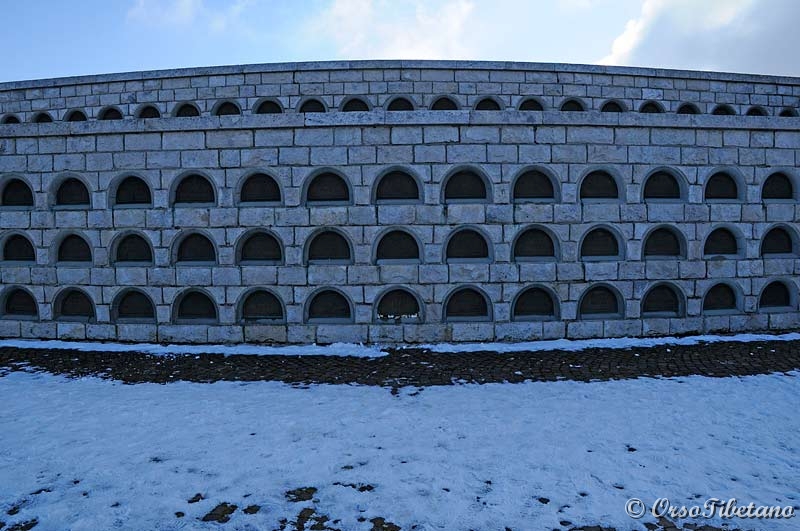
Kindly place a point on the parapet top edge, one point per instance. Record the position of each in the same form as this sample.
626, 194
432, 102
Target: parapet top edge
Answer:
394, 64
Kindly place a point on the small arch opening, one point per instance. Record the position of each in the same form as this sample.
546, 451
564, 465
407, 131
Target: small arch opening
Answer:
721, 297
72, 192
776, 295
133, 191
329, 305
398, 305
110, 113
600, 244
194, 189
196, 306
662, 185
599, 185
312, 105
227, 108
400, 104
777, 241
187, 110
531, 104
260, 188
74, 305
262, 305
466, 245
329, 246
397, 246
787, 112
196, 248
688, 108
443, 103
10, 119
723, 110
534, 304
73, 248
532, 186
612, 106
662, 242
135, 305
148, 112
662, 300
722, 243
329, 188
533, 245
599, 302
76, 116
269, 107
465, 186
487, 104
397, 187
572, 105
42, 118
721, 186
17, 248
756, 111
778, 186
133, 249
16, 193
355, 105
466, 304
20, 303
260, 248
651, 107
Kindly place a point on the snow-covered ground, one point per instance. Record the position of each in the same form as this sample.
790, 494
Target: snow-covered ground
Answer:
452, 458
375, 351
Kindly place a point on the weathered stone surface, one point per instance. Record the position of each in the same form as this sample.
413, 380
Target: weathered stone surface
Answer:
429, 145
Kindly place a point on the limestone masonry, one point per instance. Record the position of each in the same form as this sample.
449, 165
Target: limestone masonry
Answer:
398, 201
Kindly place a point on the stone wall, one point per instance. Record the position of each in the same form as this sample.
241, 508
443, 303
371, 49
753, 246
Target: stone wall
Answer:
429, 145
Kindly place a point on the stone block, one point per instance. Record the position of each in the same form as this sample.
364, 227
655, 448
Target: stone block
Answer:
10, 329
469, 272
193, 276
265, 333
292, 275
137, 333
76, 331
386, 333
101, 332
519, 331
341, 333
540, 271
225, 334
584, 329
473, 331
181, 333
622, 328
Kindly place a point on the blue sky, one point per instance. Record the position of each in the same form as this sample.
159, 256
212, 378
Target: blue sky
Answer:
52, 38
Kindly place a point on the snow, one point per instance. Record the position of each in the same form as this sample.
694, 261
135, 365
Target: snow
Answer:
430, 454
622, 342
374, 351
334, 349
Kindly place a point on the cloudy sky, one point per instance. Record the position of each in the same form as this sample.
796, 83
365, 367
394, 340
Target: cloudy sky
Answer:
50, 38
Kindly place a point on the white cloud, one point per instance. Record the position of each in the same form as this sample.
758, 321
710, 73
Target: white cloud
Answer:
755, 36
372, 29
689, 15
169, 12
193, 13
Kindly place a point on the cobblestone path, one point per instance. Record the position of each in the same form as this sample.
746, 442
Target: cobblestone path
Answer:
418, 367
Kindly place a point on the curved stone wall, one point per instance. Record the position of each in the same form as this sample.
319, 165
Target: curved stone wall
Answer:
483, 217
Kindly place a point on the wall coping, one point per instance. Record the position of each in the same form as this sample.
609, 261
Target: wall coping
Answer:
399, 64
399, 119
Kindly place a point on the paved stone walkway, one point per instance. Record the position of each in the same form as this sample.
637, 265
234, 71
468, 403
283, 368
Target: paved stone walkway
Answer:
418, 367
